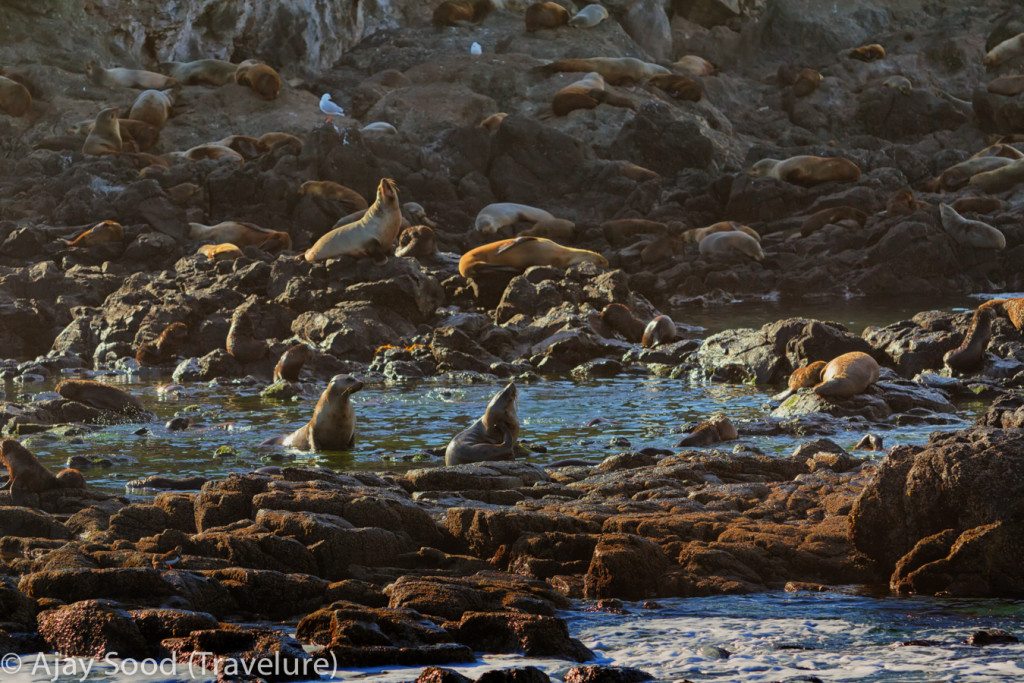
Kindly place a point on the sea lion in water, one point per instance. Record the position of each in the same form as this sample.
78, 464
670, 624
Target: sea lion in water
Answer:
105, 136
241, 341
417, 242
260, 78
522, 252
730, 244
372, 235
153, 107
1011, 48
971, 352
164, 348
545, 15
100, 396
695, 235
494, 217
1000, 179
867, 53
970, 233
589, 17
128, 78
615, 70
619, 318
716, 429
290, 364
847, 375
15, 99
215, 72
661, 330
26, 475
492, 437
461, 12
104, 232
241, 235
1013, 309
350, 199
220, 252
820, 219
806, 170
333, 425
807, 376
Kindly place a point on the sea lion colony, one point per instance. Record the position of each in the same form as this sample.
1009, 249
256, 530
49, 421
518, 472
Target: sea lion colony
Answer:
532, 210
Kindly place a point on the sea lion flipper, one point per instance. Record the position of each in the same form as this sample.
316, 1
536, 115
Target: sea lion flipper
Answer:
515, 243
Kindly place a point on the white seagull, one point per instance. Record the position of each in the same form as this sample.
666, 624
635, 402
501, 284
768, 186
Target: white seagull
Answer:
330, 108
476, 49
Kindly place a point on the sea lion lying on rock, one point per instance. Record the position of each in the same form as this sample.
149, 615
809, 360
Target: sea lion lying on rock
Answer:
522, 252
661, 330
241, 235
844, 376
806, 170
104, 232
492, 437
494, 217
970, 233
1013, 309
417, 242
730, 244
714, 430
332, 427
461, 12
26, 475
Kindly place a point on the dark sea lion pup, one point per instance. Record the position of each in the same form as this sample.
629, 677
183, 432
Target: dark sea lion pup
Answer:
26, 475
333, 425
290, 364
492, 437
971, 352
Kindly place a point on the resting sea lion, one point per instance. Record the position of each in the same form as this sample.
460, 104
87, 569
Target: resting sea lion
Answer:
589, 17
494, 217
696, 235
415, 214
545, 15
26, 475
903, 203
241, 341
729, 244
461, 12
959, 175
220, 252
260, 78
153, 107
1008, 86
679, 87
1000, 179
492, 437
622, 230
661, 330
820, 219
714, 430
1010, 48
347, 197
128, 78
208, 151
806, 170
417, 242
214, 72
848, 375
971, 352
372, 235
619, 318
276, 140
695, 66
802, 81
164, 348
556, 229
900, 84
867, 53
807, 376
522, 252
105, 136
970, 233
290, 364
241, 235
100, 396
246, 145
978, 204
1013, 309
104, 232
333, 425
615, 70
15, 99
493, 122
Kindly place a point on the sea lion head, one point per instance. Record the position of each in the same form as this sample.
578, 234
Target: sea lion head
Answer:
387, 193
762, 168
342, 386
584, 256
107, 115
501, 410
419, 240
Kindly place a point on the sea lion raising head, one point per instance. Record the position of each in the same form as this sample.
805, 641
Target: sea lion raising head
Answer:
492, 437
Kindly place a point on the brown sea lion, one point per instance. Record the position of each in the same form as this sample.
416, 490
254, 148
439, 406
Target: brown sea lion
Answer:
246, 145
241, 235
867, 53
220, 252
332, 427
1000, 179
621, 231
241, 341
545, 15
661, 330
1011, 48
978, 204
806, 82
104, 232
100, 396
807, 376
493, 122
492, 437
522, 252
619, 318
806, 170
695, 66
26, 475
15, 99
349, 199
695, 235
820, 219
716, 429
1012, 308
971, 353
615, 70
276, 140
903, 203
848, 375
128, 78
260, 78
586, 93
215, 72
372, 235
959, 175
494, 217
105, 136
290, 364
679, 87
1008, 86
555, 229
164, 349
417, 242
729, 245
461, 12
209, 151
153, 107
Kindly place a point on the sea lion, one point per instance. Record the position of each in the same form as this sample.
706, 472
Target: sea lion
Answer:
415, 214
220, 252
417, 242
661, 330
615, 70
290, 364
820, 219
716, 429
326, 189
959, 175
978, 204
493, 122
589, 17
802, 82
867, 53
128, 78
104, 232
246, 145
241, 341
971, 353
153, 107
619, 318
1008, 86
545, 15
494, 217
241, 235
333, 425
26, 475
679, 87
522, 252
1012, 308
1000, 179
461, 12
730, 244
620, 231
372, 235
1011, 48
847, 375
105, 136
999, 149
806, 170
164, 348
15, 99
138, 134
215, 72
695, 66
555, 229
696, 235
903, 203
492, 437
209, 151
100, 396
587, 93
379, 127
968, 232
276, 140
900, 84
807, 376
260, 78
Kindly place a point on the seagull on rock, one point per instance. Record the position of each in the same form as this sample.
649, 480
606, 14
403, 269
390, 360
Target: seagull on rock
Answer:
330, 108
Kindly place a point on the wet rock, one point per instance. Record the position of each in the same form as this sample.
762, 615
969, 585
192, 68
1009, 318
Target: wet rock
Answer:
128, 584
526, 674
450, 597
991, 636
21, 521
482, 476
606, 674
437, 675
382, 655
94, 629
509, 632
628, 567
245, 649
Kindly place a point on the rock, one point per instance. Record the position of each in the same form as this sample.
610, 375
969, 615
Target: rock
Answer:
606, 674
482, 476
435, 674
628, 567
509, 632
451, 597
526, 674
991, 636
94, 629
